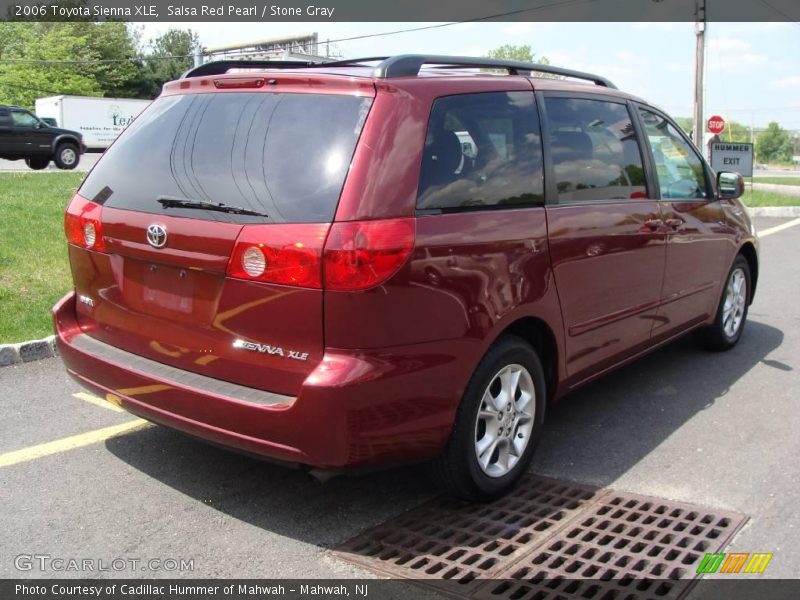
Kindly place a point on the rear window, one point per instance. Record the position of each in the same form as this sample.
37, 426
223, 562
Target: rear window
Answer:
285, 155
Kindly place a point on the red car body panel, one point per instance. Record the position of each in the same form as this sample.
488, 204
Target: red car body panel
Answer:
387, 366
148, 304
607, 265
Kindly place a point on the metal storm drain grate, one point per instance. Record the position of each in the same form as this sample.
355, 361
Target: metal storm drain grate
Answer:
449, 539
548, 539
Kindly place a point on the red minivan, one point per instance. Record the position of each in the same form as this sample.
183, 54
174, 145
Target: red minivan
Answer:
387, 260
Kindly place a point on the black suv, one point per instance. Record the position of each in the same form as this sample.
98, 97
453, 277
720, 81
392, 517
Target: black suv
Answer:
24, 135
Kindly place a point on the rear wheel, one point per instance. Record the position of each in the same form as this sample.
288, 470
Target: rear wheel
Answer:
66, 156
37, 164
497, 424
732, 309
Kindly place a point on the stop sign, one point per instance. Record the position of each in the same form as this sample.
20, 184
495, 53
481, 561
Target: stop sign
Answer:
716, 125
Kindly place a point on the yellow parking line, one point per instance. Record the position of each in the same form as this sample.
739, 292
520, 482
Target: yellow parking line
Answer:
68, 443
778, 228
92, 399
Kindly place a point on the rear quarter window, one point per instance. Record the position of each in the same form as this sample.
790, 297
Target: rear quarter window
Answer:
285, 155
482, 150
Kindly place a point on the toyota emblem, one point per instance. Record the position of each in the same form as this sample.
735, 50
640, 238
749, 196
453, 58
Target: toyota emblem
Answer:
157, 235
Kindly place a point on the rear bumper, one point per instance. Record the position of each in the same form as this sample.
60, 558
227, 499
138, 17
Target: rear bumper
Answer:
355, 409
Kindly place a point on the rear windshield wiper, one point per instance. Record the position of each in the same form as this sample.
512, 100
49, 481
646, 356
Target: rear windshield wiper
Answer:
171, 201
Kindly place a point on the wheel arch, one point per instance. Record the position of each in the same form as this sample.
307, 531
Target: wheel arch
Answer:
64, 138
540, 336
748, 250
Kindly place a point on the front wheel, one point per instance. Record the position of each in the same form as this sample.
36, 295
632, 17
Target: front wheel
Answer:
497, 425
732, 309
67, 156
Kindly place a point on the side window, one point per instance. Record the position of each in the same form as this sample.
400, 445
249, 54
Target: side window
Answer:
594, 150
23, 119
680, 171
482, 150
5, 117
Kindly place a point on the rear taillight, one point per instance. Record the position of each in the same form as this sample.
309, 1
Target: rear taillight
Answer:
362, 254
83, 224
357, 254
288, 254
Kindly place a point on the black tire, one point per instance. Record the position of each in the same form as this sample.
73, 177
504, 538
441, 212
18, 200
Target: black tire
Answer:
37, 164
67, 156
458, 469
717, 337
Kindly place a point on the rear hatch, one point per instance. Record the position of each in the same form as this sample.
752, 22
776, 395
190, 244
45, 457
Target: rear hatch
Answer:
197, 239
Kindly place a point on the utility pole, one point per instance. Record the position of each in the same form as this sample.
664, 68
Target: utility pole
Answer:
700, 47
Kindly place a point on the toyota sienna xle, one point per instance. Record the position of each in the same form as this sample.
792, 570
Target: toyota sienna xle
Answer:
387, 260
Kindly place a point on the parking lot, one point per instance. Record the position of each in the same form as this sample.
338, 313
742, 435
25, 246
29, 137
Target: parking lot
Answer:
718, 430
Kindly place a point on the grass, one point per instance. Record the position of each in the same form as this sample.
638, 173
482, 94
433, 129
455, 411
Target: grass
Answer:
758, 198
778, 180
34, 271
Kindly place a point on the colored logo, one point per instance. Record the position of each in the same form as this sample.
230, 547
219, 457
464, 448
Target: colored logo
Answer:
733, 563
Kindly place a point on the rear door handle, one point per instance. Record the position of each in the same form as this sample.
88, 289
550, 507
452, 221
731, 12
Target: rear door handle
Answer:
653, 223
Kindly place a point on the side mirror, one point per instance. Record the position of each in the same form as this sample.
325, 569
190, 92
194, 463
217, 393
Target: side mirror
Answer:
730, 185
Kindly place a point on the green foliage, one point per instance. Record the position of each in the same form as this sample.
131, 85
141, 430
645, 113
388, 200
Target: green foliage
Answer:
511, 52
21, 82
685, 123
734, 132
160, 67
101, 59
774, 145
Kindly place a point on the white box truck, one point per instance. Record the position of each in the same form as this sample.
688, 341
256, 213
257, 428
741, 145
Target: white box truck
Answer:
100, 120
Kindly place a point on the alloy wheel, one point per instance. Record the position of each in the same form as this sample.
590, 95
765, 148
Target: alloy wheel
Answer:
505, 420
735, 301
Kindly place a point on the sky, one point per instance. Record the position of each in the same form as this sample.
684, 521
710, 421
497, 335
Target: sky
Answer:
752, 69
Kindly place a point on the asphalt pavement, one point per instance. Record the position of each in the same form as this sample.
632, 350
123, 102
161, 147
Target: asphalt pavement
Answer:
716, 429
87, 161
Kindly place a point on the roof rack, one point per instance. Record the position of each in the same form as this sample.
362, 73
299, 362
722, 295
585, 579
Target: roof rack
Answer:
409, 65
403, 65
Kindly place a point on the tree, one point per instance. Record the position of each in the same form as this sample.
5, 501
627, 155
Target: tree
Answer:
734, 132
49, 58
169, 56
774, 144
523, 53
685, 123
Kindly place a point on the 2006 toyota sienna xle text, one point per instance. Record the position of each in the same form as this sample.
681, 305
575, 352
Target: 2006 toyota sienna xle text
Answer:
388, 260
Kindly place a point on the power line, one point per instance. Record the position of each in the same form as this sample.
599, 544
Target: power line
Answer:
24, 61
473, 20
779, 11
30, 61
30, 89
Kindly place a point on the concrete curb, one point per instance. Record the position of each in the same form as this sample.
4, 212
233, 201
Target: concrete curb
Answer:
774, 211
14, 354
